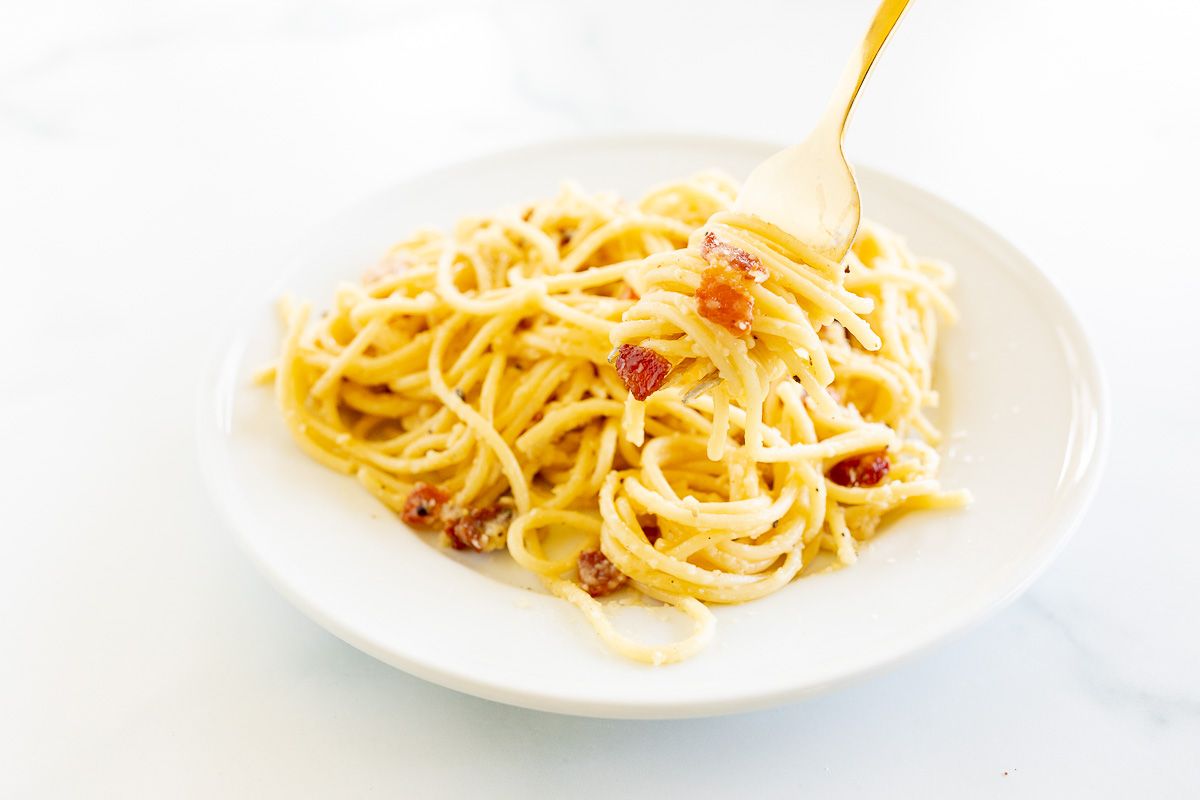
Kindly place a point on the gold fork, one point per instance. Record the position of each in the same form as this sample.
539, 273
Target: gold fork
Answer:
808, 190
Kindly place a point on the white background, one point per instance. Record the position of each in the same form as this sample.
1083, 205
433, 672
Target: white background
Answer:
157, 157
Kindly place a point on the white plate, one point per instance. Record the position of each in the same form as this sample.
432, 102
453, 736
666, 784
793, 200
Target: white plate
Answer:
1023, 403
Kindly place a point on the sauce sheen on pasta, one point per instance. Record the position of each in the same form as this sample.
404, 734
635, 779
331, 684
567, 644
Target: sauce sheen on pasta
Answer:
699, 406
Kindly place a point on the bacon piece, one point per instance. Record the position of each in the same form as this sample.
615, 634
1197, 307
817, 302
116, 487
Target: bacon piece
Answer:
642, 370
865, 469
653, 534
722, 254
481, 529
424, 506
597, 574
723, 298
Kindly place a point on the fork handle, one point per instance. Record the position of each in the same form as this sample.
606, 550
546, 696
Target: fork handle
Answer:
838, 112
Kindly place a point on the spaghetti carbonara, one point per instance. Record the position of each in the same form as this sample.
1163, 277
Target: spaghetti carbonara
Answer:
664, 396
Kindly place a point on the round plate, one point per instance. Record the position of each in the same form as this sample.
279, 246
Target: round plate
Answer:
1022, 406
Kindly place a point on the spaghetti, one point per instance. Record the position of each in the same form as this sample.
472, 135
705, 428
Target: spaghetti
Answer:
696, 402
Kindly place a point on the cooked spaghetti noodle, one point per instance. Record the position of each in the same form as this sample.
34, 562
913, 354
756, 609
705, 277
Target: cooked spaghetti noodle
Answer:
487, 382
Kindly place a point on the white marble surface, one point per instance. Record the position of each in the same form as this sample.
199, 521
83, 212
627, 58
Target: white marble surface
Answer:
155, 156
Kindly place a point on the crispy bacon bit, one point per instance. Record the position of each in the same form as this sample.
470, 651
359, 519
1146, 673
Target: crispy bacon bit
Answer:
597, 574
641, 370
424, 506
653, 534
865, 469
481, 529
723, 298
722, 254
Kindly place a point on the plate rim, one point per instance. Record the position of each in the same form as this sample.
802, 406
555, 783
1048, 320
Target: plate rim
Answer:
225, 355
